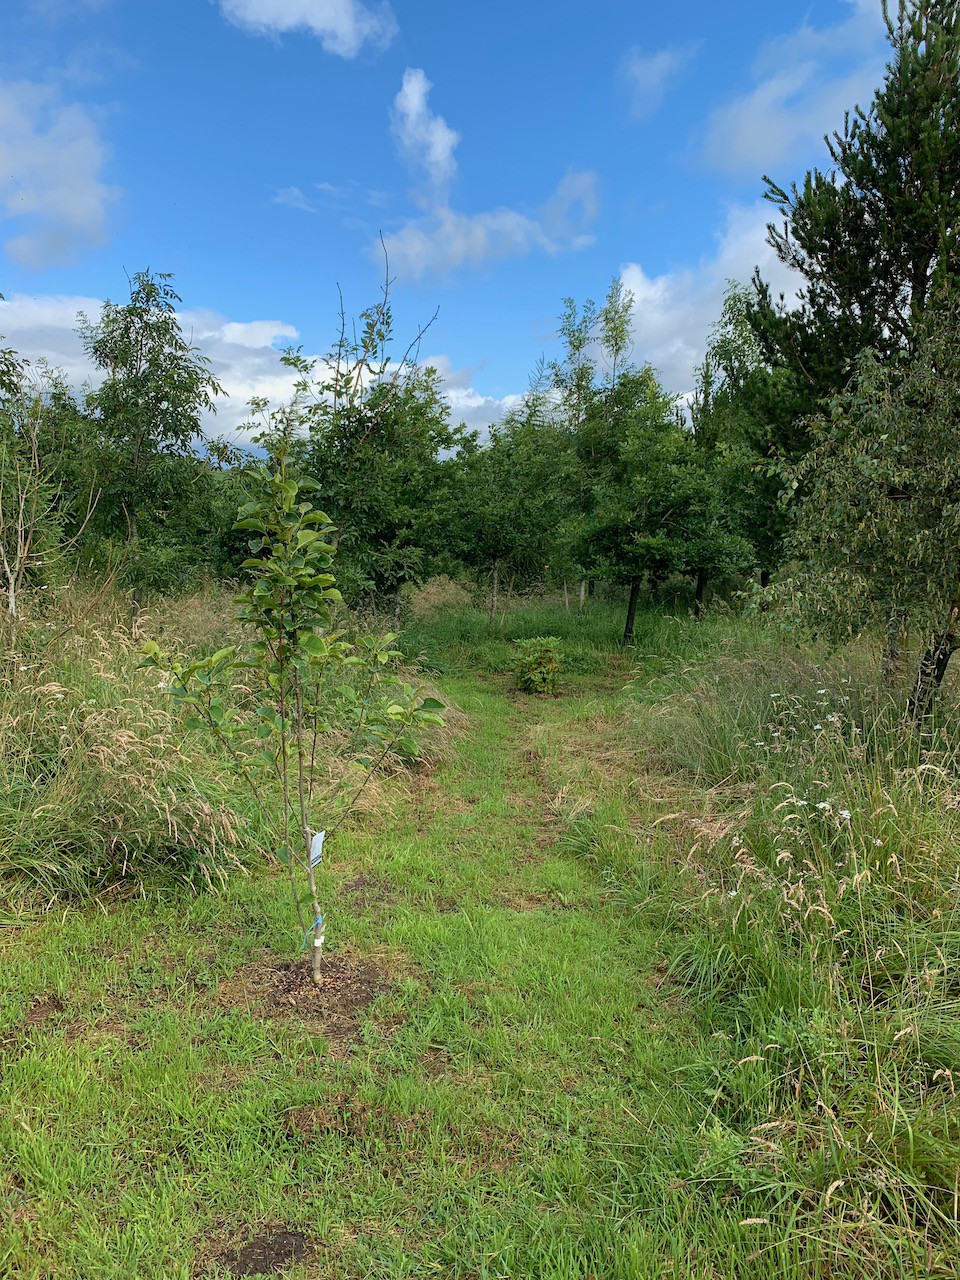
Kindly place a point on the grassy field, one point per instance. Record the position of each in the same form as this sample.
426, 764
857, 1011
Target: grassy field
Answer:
656, 978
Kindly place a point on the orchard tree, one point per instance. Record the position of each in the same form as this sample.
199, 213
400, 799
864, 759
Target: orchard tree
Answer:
878, 529
371, 427
657, 508
649, 502
516, 496
385, 466
148, 410
733, 420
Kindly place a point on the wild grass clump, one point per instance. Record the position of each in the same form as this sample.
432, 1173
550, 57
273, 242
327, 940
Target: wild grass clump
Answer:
821, 948
99, 787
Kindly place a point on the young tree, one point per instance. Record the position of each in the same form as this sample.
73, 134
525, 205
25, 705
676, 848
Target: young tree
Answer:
42, 511
301, 673
878, 529
148, 410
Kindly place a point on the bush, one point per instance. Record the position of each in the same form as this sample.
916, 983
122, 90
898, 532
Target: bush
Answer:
538, 664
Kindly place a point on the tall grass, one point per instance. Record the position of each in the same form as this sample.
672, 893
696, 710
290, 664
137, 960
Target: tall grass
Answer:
821, 946
460, 638
102, 785
99, 787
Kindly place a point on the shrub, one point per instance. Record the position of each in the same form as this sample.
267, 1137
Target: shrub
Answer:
538, 664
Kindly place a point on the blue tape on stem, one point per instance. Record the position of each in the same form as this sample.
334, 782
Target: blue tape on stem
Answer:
306, 936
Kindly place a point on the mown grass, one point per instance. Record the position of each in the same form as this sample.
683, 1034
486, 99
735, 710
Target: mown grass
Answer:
618, 1034
144, 1125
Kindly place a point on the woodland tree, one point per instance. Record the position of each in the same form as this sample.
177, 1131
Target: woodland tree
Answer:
875, 235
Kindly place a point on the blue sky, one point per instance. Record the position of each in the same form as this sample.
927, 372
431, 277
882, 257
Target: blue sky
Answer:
510, 154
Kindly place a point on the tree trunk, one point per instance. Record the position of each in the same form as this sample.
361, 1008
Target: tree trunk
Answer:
506, 607
933, 667
135, 609
583, 593
566, 595
494, 587
699, 594
631, 614
891, 662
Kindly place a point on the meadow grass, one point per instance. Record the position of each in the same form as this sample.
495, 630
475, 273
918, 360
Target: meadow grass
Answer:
615, 1033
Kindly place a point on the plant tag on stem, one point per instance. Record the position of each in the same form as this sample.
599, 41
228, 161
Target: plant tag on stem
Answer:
316, 849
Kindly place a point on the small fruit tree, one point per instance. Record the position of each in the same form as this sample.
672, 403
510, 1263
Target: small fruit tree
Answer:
305, 714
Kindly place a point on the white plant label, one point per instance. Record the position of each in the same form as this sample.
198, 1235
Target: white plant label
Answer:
316, 849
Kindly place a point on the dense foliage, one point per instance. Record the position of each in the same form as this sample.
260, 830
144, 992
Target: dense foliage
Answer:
599, 473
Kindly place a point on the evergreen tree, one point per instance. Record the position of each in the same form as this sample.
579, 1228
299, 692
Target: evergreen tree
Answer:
876, 233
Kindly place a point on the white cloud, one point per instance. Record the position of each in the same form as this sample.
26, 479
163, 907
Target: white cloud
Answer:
673, 312
443, 238
342, 26
294, 198
650, 76
446, 239
243, 355
805, 81
244, 358
426, 140
51, 187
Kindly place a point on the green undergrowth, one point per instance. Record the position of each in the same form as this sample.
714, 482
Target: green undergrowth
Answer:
817, 933
458, 640
504, 1107
633, 1009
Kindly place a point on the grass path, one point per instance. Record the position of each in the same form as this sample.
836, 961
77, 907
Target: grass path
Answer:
506, 1106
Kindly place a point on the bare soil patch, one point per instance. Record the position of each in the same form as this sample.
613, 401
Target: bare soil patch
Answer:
273, 1250
43, 1010
369, 891
350, 1118
280, 988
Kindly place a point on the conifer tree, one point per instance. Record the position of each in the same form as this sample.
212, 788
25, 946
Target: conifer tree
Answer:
876, 234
